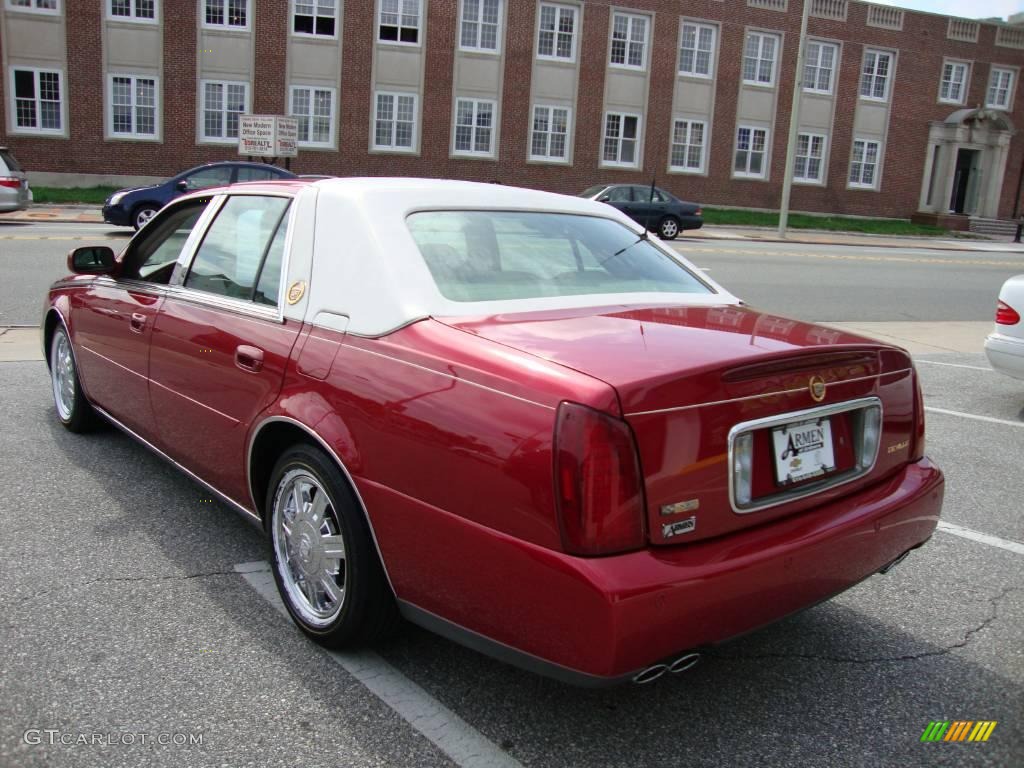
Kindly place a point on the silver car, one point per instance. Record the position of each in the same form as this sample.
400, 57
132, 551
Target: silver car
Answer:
14, 192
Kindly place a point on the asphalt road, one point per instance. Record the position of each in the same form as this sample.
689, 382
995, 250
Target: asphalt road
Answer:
122, 612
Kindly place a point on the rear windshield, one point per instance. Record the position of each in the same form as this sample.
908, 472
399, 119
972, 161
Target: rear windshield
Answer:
501, 255
6, 158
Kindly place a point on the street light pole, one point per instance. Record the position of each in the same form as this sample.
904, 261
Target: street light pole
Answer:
794, 119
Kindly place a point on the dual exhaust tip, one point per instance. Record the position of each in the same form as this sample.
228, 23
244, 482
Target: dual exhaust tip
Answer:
652, 673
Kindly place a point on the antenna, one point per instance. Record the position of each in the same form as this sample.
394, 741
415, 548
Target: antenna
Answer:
650, 205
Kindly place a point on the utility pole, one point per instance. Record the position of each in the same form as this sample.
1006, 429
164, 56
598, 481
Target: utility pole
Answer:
794, 119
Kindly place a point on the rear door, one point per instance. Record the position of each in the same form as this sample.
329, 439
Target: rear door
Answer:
220, 343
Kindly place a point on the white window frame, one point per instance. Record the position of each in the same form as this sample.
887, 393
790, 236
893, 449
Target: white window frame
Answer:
746, 174
226, 27
560, 8
61, 86
700, 170
822, 44
619, 163
549, 158
391, 148
132, 18
631, 19
889, 75
876, 176
1010, 88
822, 157
489, 153
498, 32
964, 83
762, 36
33, 7
246, 108
712, 57
332, 142
157, 113
379, 22
313, 35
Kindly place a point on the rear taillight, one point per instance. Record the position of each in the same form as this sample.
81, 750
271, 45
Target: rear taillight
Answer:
699, 212
598, 486
1006, 315
917, 450
10, 182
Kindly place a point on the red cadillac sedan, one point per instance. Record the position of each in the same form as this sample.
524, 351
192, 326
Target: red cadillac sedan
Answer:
511, 417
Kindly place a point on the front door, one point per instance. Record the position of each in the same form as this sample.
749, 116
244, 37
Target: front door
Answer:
965, 182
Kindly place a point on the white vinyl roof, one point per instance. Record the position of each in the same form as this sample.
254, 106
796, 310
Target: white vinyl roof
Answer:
367, 268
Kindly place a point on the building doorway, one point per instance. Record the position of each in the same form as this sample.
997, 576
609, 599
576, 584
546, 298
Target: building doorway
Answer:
965, 182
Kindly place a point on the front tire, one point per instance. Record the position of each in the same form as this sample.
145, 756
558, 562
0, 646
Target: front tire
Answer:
73, 409
323, 557
668, 228
142, 214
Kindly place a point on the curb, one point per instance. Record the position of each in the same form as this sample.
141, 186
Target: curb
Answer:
916, 244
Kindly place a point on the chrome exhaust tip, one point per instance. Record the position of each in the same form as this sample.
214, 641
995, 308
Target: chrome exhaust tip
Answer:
683, 663
650, 674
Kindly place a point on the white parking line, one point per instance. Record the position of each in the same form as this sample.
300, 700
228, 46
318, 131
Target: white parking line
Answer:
984, 538
990, 419
446, 730
956, 365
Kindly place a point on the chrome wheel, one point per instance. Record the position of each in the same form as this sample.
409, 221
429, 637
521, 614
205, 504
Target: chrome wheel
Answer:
669, 229
309, 547
143, 216
62, 374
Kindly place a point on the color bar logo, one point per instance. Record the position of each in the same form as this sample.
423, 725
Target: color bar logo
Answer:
958, 730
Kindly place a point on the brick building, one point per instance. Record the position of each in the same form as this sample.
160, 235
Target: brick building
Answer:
902, 112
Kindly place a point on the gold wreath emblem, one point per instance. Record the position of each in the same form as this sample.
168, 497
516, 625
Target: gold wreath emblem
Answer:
296, 291
816, 386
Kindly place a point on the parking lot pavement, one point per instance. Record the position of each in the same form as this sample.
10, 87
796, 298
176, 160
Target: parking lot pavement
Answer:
123, 612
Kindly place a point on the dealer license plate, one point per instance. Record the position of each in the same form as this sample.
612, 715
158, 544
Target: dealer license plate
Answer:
803, 450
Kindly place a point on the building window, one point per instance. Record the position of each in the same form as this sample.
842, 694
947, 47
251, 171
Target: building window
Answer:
688, 146
314, 109
481, 25
314, 17
810, 152
621, 134
1000, 89
133, 106
629, 40
819, 64
233, 14
953, 86
38, 106
223, 102
399, 22
474, 127
864, 164
751, 146
874, 77
35, 6
394, 121
697, 49
556, 38
549, 138
759, 58
133, 10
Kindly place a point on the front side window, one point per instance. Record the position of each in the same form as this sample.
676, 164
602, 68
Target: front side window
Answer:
38, 6
621, 134
236, 250
629, 40
395, 122
474, 127
314, 109
480, 28
232, 14
810, 152
864, 163
133, 105
153, 254
751, 147
874, 78
38, 105
314, 17
399, 22
549, 138
132, 10
697, 49
1000, 89
503, 255
953, 87
223, 102
759, 56
216, 176
688, 146
556, 37
819, 65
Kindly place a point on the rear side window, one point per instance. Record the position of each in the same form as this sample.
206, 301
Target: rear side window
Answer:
256, 174
241, 255
7, 159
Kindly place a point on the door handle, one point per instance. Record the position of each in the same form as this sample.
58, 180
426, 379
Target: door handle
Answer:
138, 322
249, 358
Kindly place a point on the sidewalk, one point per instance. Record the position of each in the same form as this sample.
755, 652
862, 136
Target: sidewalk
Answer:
84, 214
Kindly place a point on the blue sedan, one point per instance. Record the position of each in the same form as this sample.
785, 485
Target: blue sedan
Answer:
135, 206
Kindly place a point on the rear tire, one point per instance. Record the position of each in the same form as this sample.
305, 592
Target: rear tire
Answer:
668, 228
73, 409
322, 553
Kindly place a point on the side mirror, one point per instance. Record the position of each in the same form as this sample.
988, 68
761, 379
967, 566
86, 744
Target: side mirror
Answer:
91, 260
604, 199
182, 186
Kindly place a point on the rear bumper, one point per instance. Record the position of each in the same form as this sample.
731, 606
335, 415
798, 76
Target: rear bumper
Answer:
1006, 354
600, 620
691, 222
